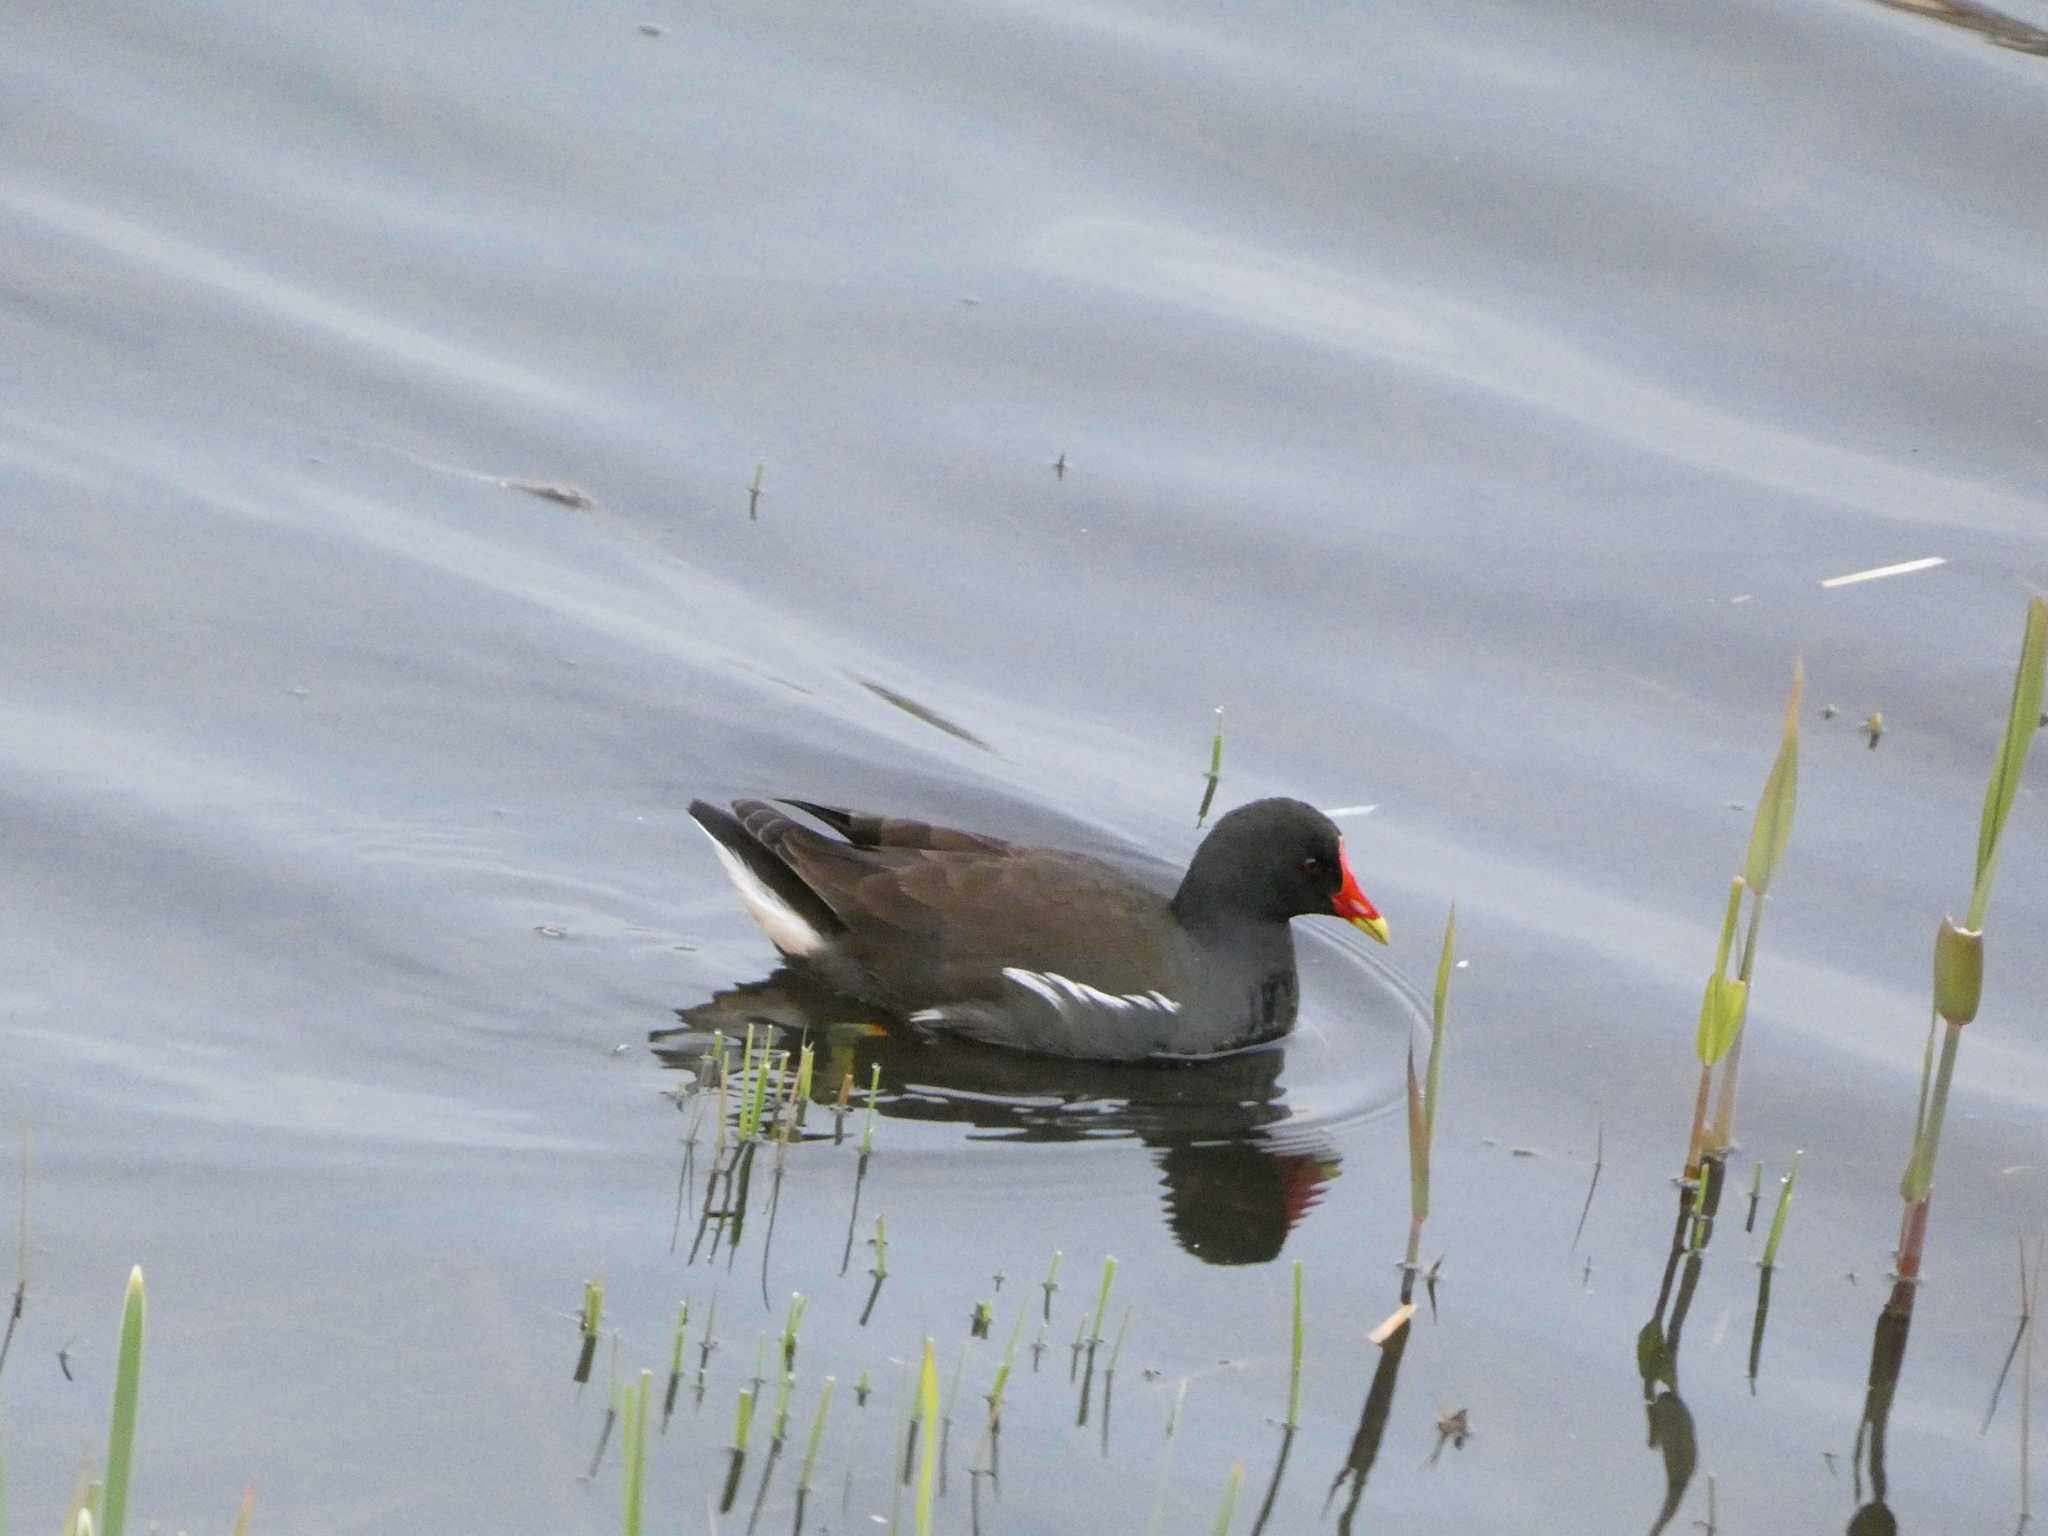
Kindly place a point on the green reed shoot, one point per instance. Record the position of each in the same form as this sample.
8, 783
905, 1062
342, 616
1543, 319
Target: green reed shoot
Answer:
1229, 1505
772, 1096
803, 1480
995, 1391
783, 1388
1102, 1298
1422, 1103
1051, 1282
1959, 952
675, 1367
928, 1437
867, 1130
121, 1430
800, 1097
881, 1246
1721, 1014
1768, 835
242, 1515
591, 1320
1215, 773
636, 1450
1784, 1209
792, 1325
1294, 1358
745, 1422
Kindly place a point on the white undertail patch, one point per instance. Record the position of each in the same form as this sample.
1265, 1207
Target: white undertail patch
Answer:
783, 924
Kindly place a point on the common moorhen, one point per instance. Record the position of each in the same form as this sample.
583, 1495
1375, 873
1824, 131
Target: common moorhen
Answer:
1042, 950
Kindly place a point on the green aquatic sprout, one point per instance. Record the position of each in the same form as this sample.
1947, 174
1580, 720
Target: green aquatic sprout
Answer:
1423, 1096
121, 1431
867, 1130
636, 1450
745, 1421
1215, 773
800, 1098
928, 1437
1784, 1209
1294, 1358
1002, 1380
791, 1327
803, 1481
1959, 951
675, 1366
1051, 1282
1228, 1507
1102, 1298
1768, 835
1721, 1014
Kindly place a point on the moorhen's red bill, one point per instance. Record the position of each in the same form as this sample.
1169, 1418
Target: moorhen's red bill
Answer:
1041, 950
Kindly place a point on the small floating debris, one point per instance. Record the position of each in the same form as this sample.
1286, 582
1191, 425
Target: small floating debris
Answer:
547, 490
1059, 466
651, 29
754, 492
1876, 573
1828, 711
550, 931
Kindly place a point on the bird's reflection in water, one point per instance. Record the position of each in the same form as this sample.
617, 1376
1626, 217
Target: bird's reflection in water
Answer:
1237, 1175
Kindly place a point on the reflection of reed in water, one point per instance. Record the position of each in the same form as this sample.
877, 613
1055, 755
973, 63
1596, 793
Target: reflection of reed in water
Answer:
1372, 1422
1235, 1183
1669, 1421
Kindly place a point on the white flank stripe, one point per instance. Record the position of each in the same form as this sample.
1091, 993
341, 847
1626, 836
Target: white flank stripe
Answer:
1903, 568
778, 919
1050, 985
1351, 810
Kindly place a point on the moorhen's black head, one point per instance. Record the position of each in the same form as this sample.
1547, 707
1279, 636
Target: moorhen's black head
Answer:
1270, 861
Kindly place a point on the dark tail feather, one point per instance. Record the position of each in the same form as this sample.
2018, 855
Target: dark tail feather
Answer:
752, 837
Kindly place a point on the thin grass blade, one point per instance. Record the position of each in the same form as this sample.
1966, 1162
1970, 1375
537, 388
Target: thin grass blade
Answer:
127, 1388
2020, 724
1773, 826
928, 1437
1418, 1147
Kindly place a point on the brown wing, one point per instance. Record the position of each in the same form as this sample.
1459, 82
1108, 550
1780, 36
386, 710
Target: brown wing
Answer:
865, 830
933, 913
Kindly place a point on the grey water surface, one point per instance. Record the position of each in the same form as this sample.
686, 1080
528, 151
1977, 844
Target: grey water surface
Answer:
1469, 398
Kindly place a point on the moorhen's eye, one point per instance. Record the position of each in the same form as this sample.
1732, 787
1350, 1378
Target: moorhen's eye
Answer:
1311, 863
